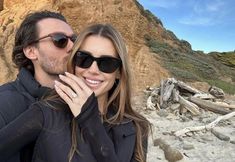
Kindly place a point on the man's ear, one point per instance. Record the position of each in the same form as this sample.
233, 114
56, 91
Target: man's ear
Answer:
30, 52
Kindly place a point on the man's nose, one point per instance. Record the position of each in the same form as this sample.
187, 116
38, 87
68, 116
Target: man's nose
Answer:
69, 45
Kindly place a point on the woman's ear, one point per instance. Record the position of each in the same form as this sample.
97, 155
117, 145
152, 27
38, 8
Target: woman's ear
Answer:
30, 52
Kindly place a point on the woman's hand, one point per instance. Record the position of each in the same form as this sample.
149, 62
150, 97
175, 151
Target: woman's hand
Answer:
76, 94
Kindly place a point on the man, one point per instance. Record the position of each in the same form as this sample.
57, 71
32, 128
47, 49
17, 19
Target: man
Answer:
42, 46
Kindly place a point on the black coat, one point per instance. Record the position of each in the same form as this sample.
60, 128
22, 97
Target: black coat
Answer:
15, 98
51, 128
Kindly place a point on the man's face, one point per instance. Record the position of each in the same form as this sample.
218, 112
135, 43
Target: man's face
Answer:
52, 60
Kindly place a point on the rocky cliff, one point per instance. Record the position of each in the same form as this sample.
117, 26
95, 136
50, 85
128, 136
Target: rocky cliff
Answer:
127, 16
143, 32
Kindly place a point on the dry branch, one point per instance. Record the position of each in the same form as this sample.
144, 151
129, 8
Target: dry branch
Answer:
190, 89
206, 127
167, 92
167, 89
150, 104
175, 95
161, 92
217, 92
209, 106
225, 105
204, 96
193, 108
154, 94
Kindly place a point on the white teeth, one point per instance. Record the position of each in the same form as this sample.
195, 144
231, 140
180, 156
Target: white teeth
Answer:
93, 81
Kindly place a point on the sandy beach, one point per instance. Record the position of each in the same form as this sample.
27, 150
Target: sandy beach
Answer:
200, 146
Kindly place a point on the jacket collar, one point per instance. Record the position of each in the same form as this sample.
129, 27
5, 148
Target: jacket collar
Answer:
26, 78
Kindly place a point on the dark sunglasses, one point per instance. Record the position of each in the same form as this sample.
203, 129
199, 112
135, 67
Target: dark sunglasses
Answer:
60, 40
105, 64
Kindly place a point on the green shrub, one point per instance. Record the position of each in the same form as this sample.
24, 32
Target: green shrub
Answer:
195, 66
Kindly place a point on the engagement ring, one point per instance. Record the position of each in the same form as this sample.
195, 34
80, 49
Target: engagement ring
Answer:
74, 95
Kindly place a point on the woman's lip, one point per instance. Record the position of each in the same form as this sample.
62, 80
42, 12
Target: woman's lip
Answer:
93, 83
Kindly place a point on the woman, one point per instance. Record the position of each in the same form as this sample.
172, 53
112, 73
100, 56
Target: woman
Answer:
91, 117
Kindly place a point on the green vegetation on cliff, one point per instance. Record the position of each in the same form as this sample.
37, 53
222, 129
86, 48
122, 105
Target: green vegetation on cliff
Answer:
216, 68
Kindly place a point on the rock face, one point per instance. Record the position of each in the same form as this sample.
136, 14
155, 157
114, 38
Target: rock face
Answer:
127, 16
1, 5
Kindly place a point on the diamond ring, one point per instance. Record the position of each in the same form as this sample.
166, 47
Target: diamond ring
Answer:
74, 95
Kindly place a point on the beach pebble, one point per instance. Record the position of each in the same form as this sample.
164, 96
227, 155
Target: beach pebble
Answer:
166, 133
206, 138
188, 146
232, 141
201, 140
184, 119
164, 106
162, 113
172, 155
220, 135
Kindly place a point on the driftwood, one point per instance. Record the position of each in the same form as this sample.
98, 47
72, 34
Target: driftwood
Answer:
150, 104
167, 93
167, 89
193, 108
206, 127
190, 99
175, 95
224, 105
210, 106
204, 96
217, 92
161, 92
184, 86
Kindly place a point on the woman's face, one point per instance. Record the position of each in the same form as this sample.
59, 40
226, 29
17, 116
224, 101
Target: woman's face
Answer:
100, 82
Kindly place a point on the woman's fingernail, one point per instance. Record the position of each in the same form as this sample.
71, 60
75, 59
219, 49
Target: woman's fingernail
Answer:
56, 82
61, 76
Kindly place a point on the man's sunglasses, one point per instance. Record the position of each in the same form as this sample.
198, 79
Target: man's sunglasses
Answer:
60, 40
105, 64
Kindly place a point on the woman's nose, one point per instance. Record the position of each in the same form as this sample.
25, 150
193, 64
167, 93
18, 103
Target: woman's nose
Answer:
94, 67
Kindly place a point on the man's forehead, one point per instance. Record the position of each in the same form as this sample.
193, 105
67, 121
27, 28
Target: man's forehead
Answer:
52, 25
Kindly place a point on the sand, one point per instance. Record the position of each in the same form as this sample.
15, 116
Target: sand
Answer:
201, 146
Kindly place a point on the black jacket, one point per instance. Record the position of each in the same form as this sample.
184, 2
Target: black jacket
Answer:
51, 128
15, 98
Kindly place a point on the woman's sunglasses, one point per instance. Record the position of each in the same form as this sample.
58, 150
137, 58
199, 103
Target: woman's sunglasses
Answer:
105, 64
60, 40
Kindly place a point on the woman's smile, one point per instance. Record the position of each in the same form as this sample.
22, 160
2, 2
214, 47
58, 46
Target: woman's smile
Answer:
93, 83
